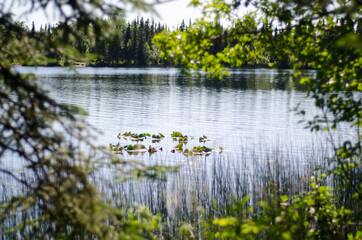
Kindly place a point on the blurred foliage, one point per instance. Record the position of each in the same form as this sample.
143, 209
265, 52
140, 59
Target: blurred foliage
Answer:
49, 137
324, 36
308, 215
58, 199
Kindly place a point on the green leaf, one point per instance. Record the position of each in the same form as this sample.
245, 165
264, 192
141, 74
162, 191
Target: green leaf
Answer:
284, 198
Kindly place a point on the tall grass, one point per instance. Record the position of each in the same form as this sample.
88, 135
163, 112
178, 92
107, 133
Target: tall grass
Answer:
204, 187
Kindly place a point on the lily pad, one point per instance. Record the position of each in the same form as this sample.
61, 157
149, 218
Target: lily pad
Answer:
183, 139
204, 139
158, 136
179, 147
126, 134
134, 135
201, 150
136, 148
176, 134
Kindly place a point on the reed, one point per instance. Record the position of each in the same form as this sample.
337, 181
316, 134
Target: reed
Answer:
204, 188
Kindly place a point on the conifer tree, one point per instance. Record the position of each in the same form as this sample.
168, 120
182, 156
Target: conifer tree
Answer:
182, 27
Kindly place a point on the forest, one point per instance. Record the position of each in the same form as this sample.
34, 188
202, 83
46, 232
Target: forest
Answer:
127, 44
130, 44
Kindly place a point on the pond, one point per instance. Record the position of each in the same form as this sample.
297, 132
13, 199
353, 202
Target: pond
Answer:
249, 114
250, 106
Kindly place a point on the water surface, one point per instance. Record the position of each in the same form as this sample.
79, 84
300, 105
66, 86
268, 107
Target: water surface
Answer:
249, 107
250, 114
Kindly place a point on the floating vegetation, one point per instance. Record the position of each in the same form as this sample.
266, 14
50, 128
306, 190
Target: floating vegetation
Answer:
202, 150
204, 139
129, 148
116, 148
142, 136
134, 135
176, 134
136, 148
183, 139
158, 137
187, 152
179, 147
139, 137
126, 134
152, 149
198, 150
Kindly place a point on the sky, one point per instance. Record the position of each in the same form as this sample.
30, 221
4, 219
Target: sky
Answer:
172, 13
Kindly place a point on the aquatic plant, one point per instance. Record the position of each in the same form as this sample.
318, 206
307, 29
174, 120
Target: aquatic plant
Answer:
135, 147
144, 135
159, 136
204, 139
126, 134
130, 147
187, 152
135, 136
176, 134
183, 139
179, 147
120, 148
198, 196
152, 149
203, 149
116, 148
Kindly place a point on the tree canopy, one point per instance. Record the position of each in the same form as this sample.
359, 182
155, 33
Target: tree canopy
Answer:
324, 36
321, 35
47, 136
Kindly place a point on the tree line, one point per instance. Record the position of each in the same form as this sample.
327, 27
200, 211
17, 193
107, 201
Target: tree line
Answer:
131, 44
127, 43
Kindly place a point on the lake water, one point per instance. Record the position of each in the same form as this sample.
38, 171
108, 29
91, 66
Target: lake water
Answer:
249, 114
